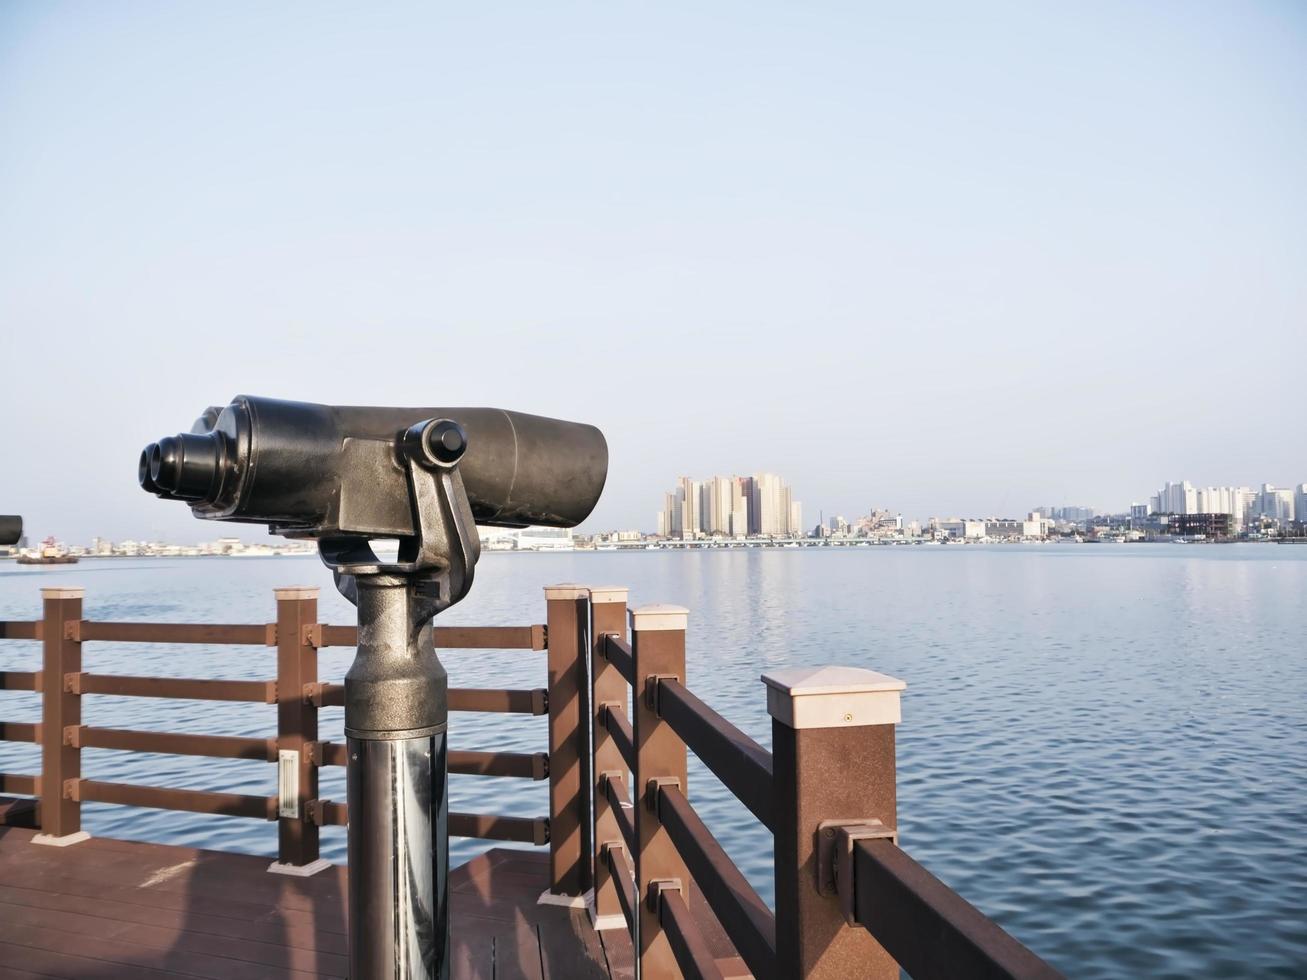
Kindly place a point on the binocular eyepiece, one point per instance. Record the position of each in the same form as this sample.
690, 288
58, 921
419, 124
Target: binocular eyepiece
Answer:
323, 471
11, 529
183, 467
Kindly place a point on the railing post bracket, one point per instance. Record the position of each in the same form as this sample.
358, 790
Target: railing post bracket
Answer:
834, 846
660, 885
652, 787
651, 686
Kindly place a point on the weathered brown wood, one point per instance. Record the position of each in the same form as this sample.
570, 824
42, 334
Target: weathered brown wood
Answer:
60, 708
167, 743
214, 633
12, 630
297, 718
264, 692
191, 800
567, 612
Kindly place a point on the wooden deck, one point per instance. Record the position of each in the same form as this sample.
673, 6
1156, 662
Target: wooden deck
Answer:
108, 908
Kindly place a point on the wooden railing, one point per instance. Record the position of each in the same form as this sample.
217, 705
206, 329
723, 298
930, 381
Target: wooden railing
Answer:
849, 902
623, 836
296, 690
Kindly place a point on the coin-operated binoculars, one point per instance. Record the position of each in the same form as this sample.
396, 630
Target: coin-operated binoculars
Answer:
427, 476
11, 529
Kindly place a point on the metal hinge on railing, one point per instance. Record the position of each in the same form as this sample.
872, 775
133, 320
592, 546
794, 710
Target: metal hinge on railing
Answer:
835, 840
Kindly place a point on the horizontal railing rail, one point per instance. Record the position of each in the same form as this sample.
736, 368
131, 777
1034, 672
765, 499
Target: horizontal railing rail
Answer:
169, 743
448, 637
526, 830
20, 630
20, 731
931, 930
20, 680
749, 923
742, 765
22, 783
618, 653
688, 945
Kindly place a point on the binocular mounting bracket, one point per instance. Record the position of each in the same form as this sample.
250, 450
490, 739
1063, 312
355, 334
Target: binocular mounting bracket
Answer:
439, 558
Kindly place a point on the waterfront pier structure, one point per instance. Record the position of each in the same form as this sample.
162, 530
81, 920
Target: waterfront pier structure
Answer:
627, 879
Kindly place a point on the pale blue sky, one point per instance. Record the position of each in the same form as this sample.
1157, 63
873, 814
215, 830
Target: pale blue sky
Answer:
941, 258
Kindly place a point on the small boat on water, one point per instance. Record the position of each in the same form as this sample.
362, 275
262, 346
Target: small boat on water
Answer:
48, 554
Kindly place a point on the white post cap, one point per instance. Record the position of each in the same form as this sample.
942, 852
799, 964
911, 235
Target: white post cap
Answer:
660, 618
63, 592
567, 590
297, 592
832, 697
609, 593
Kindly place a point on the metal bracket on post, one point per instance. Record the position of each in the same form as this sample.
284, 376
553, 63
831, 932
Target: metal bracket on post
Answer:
651, 685
652, 787
605, 707
835, 840
660, 885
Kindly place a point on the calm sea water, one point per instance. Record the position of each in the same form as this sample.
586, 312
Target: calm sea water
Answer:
1103, 747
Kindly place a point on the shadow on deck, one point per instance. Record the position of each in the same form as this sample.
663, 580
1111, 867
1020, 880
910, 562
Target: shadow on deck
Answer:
108, 908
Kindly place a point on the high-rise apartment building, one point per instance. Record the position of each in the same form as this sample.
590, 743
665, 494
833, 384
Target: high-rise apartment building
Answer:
734, 506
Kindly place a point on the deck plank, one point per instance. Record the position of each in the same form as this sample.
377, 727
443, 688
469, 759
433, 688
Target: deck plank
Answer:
107, 908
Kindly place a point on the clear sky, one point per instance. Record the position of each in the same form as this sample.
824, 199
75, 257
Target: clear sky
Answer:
940, 258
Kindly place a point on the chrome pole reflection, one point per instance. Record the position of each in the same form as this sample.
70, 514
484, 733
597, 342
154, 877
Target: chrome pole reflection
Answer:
398, 858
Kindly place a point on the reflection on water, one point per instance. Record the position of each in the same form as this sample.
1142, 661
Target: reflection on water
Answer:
1102, 747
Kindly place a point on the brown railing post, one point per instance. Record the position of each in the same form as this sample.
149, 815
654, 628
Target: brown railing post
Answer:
297, 727
61, 710
658, 648
607, 615
569, 755
833, 760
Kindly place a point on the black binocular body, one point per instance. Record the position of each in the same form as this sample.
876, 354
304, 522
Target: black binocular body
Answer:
324, 470
11, 529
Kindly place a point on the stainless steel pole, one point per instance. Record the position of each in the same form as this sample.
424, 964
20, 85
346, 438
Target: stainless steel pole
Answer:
396, 712
398, 858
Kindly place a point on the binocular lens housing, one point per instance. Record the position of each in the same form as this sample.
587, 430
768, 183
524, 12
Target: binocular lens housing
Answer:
11, 529
184, 467
325, 470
